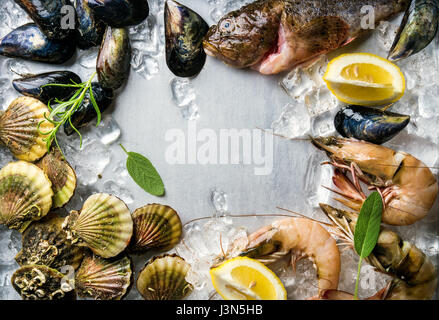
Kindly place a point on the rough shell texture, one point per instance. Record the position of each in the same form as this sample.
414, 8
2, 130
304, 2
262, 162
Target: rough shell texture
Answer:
36, 282
163, 278
104, 224
103, 279
45, 243
25, 194
120, 13
156, 226
19, 128
89, 30
61, 174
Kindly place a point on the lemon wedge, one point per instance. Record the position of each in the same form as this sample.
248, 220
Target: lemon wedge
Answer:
364, 79
243, 278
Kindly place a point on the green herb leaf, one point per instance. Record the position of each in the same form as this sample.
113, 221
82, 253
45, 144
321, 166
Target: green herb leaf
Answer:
144, 174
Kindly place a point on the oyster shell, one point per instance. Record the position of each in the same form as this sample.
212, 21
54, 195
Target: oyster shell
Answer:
164, 278
45, 243
103, 279
25, 194
61, 174
19, 128
156, 226
36, 282
104, 225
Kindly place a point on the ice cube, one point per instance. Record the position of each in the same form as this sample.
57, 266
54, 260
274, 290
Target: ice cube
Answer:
183, 91
218, 199
316, 177
429, 101
323, 124
10, 245
320, 100
7, 292
293, 122
145, 65
108, 131
122, 193
87, 58
385, 34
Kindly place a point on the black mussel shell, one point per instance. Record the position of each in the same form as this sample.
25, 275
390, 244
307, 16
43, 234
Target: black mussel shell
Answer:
86, 112
47, 14
28, 42
113, 63
120, 13
36, 85
369, 124
184, 30
89, 30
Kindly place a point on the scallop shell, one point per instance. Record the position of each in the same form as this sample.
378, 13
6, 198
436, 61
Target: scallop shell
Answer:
45, 243
103, 279
155, 226
35, 282
62, 176
104, 225
25, 194
19, 128
164, 278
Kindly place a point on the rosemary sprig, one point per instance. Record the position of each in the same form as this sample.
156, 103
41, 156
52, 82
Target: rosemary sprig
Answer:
63, 110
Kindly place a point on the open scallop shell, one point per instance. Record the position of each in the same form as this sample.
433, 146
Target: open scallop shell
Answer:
103, 279
156, 226
25, 194
19, 128
104, 225
164, 278
45, 243
61, 174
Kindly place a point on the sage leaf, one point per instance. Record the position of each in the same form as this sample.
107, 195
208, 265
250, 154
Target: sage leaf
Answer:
144, 174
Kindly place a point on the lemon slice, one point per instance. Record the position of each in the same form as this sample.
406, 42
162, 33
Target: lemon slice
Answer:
247, 279
364, 79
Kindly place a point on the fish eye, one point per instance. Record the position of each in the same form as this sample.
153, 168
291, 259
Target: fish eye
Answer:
227, 25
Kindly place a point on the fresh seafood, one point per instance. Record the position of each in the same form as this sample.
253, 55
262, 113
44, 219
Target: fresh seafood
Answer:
164, 278
156, 226
21, 128
104, 225
120, 13
277, 35
113, 64
47, 14
37, 282
86, 111
45, 243
36, 86
185, 31
299, 237
61, 174
103, 279
29, 42
418, 28
407, 185
89, 30
415, 276
25, 194
369, 124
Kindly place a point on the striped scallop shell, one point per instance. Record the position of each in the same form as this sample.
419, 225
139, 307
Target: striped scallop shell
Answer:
164, 278
104, 225
103, 279
155, 226
19, 128
25, 194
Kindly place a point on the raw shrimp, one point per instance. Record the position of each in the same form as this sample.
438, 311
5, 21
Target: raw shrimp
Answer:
407, 186
299, 236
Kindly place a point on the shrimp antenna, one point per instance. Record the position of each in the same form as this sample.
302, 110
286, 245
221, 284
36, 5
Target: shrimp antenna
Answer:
282, 136
303, 216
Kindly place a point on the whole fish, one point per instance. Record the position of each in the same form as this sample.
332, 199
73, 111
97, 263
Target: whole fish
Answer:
271, 36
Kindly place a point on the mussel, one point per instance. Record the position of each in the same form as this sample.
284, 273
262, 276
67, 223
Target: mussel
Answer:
104, 225
47, 14
25, 194
418, 28
369, 124
89, 29
86, 111
38, 282
103, 279
21, 128
37, 85
113, 63
184, 31
164, 278
29, 42
120, 13
45, 243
